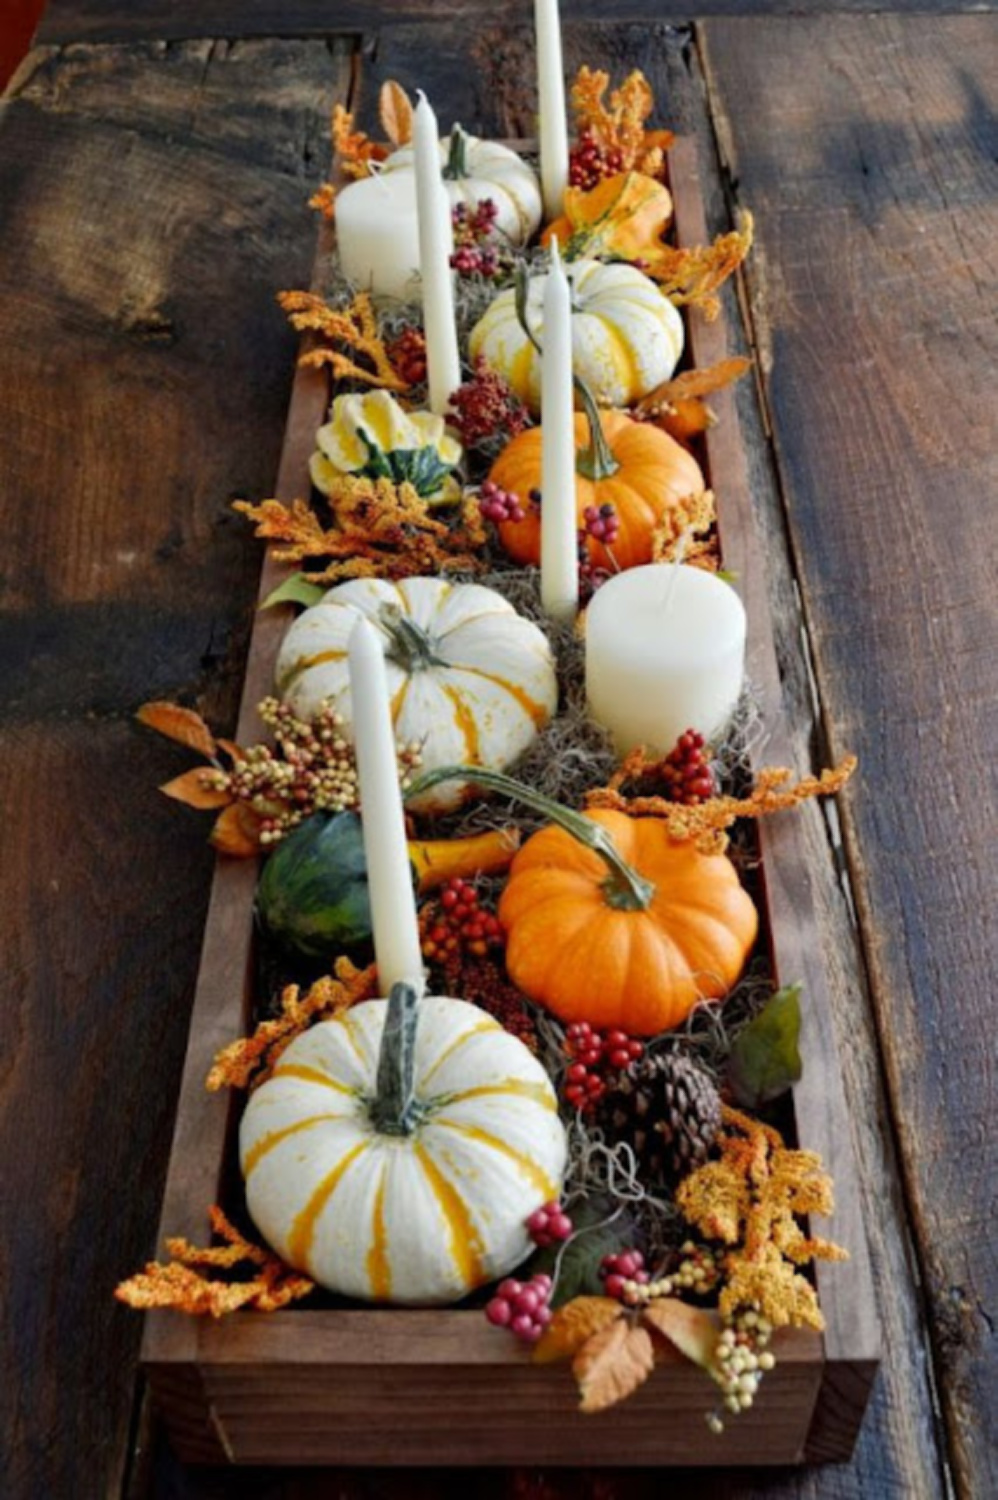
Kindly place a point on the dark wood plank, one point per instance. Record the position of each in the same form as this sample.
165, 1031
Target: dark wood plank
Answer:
111, 20
144, 382
868, 154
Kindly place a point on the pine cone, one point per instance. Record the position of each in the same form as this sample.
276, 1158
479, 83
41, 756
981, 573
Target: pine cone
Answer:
667, 1110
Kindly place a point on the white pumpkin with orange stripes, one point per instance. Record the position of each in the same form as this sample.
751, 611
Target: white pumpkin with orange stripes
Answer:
469, 678
395, 1152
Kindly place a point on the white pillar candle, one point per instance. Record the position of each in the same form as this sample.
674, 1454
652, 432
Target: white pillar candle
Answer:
377, 235
665, 652
559, 526
436, 244
552, 127
393, 906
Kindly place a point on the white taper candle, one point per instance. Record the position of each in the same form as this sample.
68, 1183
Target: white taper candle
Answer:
397, 948
436, 244
552, 126
559, 527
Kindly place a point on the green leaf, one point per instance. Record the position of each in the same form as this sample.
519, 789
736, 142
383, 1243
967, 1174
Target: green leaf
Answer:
726, 576
765, 1059
294, 590
578, 1274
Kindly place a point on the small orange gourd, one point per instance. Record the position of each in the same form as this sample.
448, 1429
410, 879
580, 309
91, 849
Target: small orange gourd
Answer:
610, 921
634, 466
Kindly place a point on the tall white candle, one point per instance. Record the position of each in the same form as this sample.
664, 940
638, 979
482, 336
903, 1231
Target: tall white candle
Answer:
393, 905
377, 234
552, 125
436, 244
559, 526
665, 652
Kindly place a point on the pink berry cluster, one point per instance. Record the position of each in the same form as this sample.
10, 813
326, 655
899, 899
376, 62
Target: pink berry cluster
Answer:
499, 505
686, 771
595, 1054
602, 523
549, 1225
524, 1307
590, 161
475, 249
622, 1274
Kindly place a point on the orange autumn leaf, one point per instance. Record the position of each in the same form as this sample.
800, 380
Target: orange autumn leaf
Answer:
233, 751
193, 792
612, 1364
236, 832
572, 1325
694, 1331
622, 218
180, 724
395, 113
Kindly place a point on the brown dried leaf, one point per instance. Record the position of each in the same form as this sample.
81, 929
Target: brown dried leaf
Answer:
192, 791
180, 724
694, 1331
236, 832
395, 113
694, 383
612, 1364
572, 1325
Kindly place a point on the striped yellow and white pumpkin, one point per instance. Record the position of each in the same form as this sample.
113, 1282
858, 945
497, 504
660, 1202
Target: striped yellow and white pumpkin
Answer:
403, 1172
626, 336
469, 678
475, 170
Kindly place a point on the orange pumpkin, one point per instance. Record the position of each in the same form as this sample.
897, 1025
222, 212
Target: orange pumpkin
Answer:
631, 465
636, 947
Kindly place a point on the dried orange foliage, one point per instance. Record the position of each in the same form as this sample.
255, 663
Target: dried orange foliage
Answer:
355, 151
679, 406
354, 328
693, 519
753, 1199
180, 724
619, 124
237, 828
613, 1350
323, 200
381, 530
707, 822
693, 276
249, 1061
395, 113
185, 1288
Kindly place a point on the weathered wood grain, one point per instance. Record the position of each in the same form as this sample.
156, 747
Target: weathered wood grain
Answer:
144, 383
872, 173
110, 20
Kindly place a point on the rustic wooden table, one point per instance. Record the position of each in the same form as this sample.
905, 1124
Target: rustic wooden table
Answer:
155, 159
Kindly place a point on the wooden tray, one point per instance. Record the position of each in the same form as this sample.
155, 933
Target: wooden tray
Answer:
408, 1387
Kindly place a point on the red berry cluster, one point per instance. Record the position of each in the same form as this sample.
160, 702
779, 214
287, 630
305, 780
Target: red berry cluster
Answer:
522, 1307
595, 1054
589, 162
475, 249
602, 523
463, 925
549, 1225
620, 1273
498, 505
686, 771
407, 352
486, 407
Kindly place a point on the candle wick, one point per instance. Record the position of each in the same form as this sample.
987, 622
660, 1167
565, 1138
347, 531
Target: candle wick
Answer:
672, 584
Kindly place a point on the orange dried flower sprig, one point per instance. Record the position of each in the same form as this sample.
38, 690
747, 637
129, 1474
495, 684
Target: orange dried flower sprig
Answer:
194, 1281
707, 823
616, 127
354, 327
246, 1063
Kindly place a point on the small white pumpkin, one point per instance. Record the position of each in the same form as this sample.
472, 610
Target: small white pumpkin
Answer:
474, 170
371, 435
468, 677
626, 337
395, 1152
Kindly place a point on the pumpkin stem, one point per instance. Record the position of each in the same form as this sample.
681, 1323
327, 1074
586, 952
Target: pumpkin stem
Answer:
596, 461
624, 888
457, 157
411, 646
392, 1109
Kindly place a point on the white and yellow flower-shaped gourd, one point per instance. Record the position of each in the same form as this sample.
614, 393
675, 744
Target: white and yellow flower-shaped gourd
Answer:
371, 435
395, 1152
468, 677
626, 337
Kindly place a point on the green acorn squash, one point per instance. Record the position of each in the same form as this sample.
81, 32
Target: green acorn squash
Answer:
313, 896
